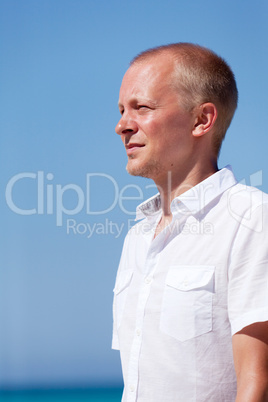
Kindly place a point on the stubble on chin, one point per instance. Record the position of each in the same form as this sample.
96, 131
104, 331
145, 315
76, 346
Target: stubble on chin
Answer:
149, 170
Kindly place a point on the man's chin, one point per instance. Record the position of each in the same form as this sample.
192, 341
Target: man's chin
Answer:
149, 170
134, 171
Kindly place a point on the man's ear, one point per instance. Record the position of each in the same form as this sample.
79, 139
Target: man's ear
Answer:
206, 115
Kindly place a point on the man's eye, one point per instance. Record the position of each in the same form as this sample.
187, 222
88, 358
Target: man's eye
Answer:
142, 107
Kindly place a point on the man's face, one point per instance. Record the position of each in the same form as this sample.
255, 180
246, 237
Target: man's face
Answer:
154, 127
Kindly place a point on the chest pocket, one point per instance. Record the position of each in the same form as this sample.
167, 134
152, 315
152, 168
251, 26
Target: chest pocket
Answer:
187, 301
120, 293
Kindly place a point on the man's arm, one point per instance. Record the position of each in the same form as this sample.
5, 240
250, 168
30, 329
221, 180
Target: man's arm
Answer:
250, 349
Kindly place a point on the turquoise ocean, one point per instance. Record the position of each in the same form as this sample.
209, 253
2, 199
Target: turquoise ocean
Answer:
88, 395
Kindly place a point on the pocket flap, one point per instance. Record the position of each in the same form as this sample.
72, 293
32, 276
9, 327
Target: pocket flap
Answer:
190, 277
123, 280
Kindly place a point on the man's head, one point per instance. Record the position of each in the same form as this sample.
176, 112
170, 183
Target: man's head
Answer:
170, 97
201, 76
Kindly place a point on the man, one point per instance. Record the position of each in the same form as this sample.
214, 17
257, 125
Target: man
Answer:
191, 294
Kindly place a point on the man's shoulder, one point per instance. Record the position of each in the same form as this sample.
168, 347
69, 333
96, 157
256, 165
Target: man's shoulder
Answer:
247, 206
247, 196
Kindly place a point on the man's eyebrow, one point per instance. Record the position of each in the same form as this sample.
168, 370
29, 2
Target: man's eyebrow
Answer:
136, 100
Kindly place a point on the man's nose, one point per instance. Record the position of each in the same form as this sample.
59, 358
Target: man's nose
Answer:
126, 125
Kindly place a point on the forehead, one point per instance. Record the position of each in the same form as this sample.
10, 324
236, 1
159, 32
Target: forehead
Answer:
143, 78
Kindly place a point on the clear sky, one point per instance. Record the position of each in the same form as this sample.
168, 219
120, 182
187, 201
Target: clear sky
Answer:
64, 187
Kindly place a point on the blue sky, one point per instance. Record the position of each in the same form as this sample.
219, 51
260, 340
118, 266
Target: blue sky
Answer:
61, 67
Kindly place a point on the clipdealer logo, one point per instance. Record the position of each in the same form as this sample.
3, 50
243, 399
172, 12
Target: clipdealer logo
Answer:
51, 201
50, 197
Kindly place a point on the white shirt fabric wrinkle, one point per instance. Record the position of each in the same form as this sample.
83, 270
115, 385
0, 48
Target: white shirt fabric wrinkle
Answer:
180, 297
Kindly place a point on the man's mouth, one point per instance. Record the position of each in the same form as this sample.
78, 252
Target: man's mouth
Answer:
133, 147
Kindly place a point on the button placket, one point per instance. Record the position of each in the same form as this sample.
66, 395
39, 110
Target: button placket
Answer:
137, 341
148, 280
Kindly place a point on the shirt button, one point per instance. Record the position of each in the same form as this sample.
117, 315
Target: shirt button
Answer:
138, 332
148, 280
131, 388
185, 282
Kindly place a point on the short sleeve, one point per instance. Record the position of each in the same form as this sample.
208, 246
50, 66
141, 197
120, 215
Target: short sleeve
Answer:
248, 271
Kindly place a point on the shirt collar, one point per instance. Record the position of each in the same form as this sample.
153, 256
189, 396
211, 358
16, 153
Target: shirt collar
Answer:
194, 199
149, 208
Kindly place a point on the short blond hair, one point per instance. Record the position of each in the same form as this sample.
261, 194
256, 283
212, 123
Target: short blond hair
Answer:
201, 76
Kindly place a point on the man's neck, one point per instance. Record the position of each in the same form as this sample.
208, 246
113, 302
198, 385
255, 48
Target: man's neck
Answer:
175, 184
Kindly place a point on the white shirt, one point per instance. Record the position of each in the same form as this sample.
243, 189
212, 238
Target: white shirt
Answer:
180, 297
